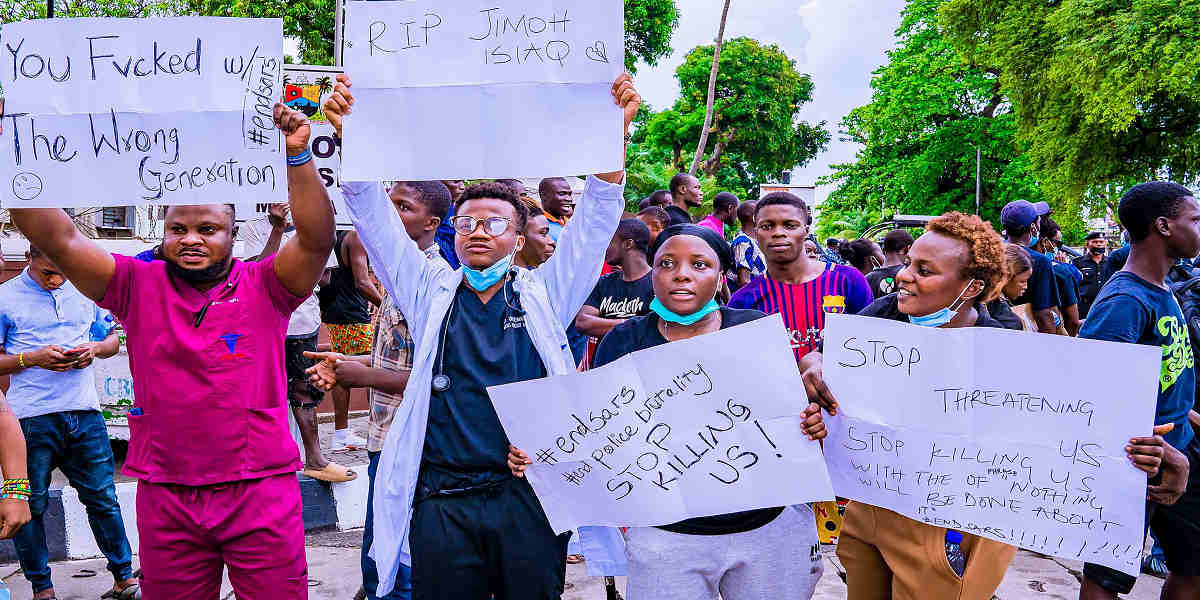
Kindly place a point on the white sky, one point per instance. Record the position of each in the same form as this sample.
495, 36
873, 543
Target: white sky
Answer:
837, 42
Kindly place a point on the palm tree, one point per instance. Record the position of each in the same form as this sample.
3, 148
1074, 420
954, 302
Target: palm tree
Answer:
324, 84
712, 92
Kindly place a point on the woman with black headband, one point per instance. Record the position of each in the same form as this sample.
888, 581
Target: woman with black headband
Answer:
750, 555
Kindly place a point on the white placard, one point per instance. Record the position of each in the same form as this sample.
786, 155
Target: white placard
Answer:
1014, 436
305, 88
479, 88
699, 427
117, 112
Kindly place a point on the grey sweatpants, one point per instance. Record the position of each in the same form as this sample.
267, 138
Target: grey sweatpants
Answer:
780, 560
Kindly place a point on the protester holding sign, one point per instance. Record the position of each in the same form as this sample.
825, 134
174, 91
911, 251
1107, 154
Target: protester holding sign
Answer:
800, 288
750, 555
447, 503
385, 372
209, 440
1136, 307
949, 270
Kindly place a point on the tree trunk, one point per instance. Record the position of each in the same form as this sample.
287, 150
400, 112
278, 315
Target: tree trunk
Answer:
712, 91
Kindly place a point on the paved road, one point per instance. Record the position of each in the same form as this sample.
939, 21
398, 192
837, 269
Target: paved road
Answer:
333, 569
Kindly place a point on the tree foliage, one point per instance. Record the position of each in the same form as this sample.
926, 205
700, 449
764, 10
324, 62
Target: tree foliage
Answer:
930, 109
649, 25
1106, 91
756, 132
19, 10
310, 22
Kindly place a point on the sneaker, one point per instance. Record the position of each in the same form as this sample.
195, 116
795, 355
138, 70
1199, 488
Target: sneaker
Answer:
1153, 565
347, 441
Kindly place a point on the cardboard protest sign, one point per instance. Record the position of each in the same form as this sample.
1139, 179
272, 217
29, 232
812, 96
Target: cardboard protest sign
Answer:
475, 89
305, 88
116, 112
1009, 435
693, 428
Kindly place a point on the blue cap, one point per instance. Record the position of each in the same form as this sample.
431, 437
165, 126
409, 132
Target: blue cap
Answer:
1020, 213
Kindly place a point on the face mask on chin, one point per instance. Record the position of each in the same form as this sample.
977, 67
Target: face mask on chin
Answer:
1096, 251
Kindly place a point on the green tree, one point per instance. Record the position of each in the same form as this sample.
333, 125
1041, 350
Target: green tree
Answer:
756, 132
930, 109
1106, 92
19, 10
649, 25
310, 22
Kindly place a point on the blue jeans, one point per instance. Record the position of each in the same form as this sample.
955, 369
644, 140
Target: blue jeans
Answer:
75, 442
403, 589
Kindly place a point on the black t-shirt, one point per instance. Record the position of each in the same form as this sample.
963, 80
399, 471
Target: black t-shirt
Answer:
1000, 310
1114, 263
678, 215
616, 298
883, 280
887, 308
1068, 293
1089, 286
642, 332
485, 345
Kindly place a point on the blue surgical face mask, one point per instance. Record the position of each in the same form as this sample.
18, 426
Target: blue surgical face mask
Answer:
667, 314
480, 280
1034, 240
940, 317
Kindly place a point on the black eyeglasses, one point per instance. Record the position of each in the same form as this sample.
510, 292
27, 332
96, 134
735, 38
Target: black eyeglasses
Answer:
493, 226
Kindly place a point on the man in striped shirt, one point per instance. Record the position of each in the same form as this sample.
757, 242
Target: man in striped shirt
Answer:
803, 290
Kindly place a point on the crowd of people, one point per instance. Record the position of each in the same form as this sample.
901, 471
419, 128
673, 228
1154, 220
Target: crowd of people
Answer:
443, 289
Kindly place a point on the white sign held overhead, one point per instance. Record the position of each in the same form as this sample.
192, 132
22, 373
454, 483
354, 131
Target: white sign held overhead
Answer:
1004, 434
115, 112
474, 89
669, 433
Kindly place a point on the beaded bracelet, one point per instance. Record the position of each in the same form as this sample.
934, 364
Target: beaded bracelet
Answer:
15, 496
299, 159
21, 360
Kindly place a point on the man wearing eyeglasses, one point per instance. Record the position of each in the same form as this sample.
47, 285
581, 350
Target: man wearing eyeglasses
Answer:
445, 502
209, 439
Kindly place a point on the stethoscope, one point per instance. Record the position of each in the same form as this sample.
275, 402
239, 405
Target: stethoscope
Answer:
441, 381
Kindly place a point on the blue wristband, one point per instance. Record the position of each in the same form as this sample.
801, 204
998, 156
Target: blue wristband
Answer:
299, 159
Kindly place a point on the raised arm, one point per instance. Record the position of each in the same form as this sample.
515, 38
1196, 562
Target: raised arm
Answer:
402, 268
573, 270
300, 262
82, 260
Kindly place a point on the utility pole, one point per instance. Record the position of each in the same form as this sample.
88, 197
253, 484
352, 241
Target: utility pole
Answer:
978, 191
337, 31
49, 9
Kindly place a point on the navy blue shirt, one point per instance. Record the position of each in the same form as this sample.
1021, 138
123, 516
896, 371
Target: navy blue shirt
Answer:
445, 239
1132, 310
1115, 262
486, 345
1042, 292
1068, 286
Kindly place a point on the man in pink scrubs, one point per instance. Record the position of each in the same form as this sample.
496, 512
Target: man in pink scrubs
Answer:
209, 441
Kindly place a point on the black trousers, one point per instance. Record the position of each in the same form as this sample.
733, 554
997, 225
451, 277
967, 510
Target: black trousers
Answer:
490, 541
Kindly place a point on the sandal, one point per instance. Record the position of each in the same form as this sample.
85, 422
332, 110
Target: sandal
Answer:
332, 473
132, 592
574, 559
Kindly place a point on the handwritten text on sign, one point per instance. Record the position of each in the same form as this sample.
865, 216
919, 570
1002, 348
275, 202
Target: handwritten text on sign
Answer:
669, 433
482, 88
1003, 434
104, 112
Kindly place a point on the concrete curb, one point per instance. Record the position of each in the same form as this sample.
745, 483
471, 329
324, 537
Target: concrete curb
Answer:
69, 536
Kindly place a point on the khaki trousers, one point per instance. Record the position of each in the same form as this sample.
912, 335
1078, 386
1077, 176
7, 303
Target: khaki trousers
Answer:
889, 556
